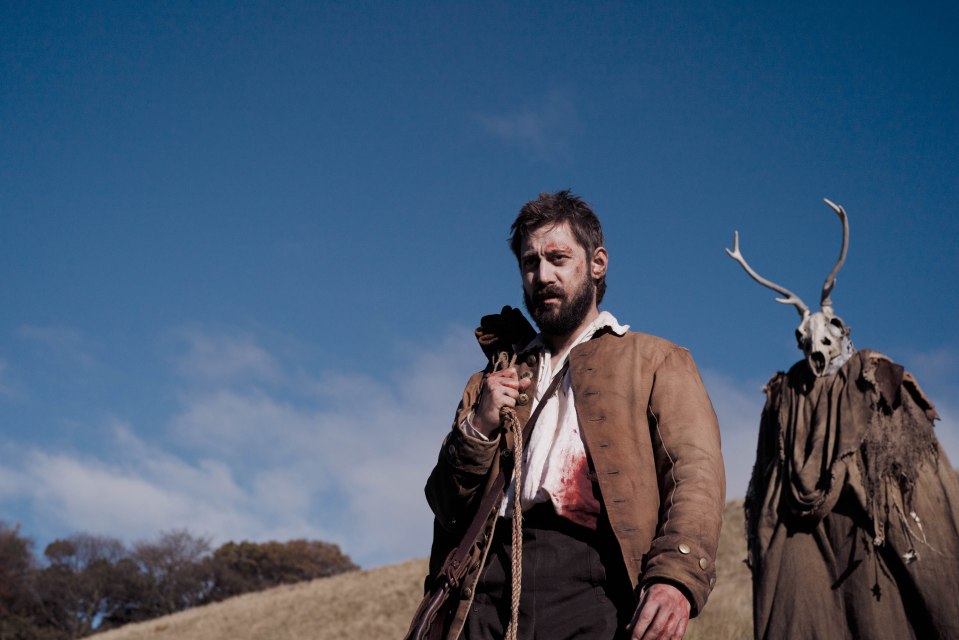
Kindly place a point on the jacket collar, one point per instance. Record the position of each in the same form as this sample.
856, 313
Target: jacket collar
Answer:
605, 322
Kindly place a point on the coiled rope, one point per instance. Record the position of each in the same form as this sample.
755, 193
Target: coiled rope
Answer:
511, 424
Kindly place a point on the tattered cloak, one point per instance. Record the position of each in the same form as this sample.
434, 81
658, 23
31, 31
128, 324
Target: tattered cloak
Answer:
852, 512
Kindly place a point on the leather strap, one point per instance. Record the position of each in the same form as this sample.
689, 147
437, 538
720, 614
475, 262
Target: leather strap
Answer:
453, 569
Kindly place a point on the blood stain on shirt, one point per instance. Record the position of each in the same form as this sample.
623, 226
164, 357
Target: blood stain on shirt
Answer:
575, 499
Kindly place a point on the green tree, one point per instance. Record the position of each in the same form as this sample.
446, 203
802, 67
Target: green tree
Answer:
241, 567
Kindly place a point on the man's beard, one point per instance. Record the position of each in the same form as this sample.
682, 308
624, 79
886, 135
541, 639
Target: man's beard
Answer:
563, 318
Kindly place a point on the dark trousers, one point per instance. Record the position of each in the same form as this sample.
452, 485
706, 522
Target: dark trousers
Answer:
574, 583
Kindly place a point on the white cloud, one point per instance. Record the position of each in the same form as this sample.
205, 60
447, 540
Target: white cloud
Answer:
543, 132
947, 430
932, 365
13, 483
738, 406
232, 423
276, 453
150, 491
937, 371
339, 457
218, 357
64, 342
368, 444
50, 335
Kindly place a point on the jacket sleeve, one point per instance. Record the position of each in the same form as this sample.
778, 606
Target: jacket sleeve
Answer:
692, 482
456, 483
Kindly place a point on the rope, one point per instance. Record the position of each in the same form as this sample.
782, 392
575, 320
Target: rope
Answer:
516, 549
511, 424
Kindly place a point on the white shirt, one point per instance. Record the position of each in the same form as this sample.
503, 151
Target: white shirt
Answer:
555, 466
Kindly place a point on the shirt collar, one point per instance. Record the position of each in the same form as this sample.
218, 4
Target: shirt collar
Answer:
603, 321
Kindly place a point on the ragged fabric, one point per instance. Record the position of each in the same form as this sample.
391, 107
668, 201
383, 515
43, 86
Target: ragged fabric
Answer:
852, 512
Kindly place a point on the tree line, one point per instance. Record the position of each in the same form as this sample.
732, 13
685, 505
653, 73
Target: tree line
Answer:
87, 583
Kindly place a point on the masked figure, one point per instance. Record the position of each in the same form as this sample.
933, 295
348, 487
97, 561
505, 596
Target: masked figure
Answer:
852, 511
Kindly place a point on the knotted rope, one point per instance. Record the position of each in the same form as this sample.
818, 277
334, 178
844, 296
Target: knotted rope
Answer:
511, 424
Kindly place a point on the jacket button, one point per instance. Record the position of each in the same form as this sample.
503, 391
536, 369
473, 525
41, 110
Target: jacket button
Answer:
452, 450
467, 593
531, 360
522, 399
703, 563
683, 548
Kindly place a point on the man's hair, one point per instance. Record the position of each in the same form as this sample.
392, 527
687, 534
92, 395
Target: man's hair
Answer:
551, 209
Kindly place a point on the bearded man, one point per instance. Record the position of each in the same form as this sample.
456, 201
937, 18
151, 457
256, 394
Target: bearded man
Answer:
622, 485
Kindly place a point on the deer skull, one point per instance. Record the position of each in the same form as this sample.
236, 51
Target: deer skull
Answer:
822, 336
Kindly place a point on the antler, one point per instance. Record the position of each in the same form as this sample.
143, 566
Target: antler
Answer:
826, 300
788, 296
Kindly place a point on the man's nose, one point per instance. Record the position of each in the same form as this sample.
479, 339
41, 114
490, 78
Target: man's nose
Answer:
545, 273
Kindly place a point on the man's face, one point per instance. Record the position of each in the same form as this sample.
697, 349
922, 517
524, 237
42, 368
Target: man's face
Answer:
558, 281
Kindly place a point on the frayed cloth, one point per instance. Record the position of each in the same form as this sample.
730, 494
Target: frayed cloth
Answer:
852, 512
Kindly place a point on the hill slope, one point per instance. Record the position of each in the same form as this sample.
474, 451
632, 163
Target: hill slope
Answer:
377, 605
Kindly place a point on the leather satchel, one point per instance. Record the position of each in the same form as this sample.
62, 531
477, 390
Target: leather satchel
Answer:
435, 613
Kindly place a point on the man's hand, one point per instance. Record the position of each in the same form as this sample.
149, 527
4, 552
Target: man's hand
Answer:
662, 614
501, 390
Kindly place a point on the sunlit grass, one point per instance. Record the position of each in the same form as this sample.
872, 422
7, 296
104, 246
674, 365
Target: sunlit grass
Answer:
377, 605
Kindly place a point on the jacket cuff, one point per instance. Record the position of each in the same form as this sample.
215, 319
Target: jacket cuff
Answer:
466, 424
466, 454
683, 562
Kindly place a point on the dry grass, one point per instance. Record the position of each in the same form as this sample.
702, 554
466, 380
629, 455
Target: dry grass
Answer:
364, 604
729, 613
377, 605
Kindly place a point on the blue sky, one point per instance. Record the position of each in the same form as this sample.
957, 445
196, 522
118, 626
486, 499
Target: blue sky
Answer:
243, 247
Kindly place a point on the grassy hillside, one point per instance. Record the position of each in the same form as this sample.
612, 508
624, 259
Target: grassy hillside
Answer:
728, 614
377, 605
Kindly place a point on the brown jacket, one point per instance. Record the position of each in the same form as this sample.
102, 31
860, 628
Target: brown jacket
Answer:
653, 439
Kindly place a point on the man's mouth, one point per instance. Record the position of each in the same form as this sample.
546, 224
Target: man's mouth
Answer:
549, 300
549, 297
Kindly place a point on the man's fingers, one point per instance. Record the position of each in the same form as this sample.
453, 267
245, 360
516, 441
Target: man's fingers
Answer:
642, 618
506, 378
504, 386
509, 372
662, 614
681, 627
659, 628
500, 389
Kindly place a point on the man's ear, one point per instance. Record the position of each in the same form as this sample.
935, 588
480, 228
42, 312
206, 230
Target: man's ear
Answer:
599, 263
